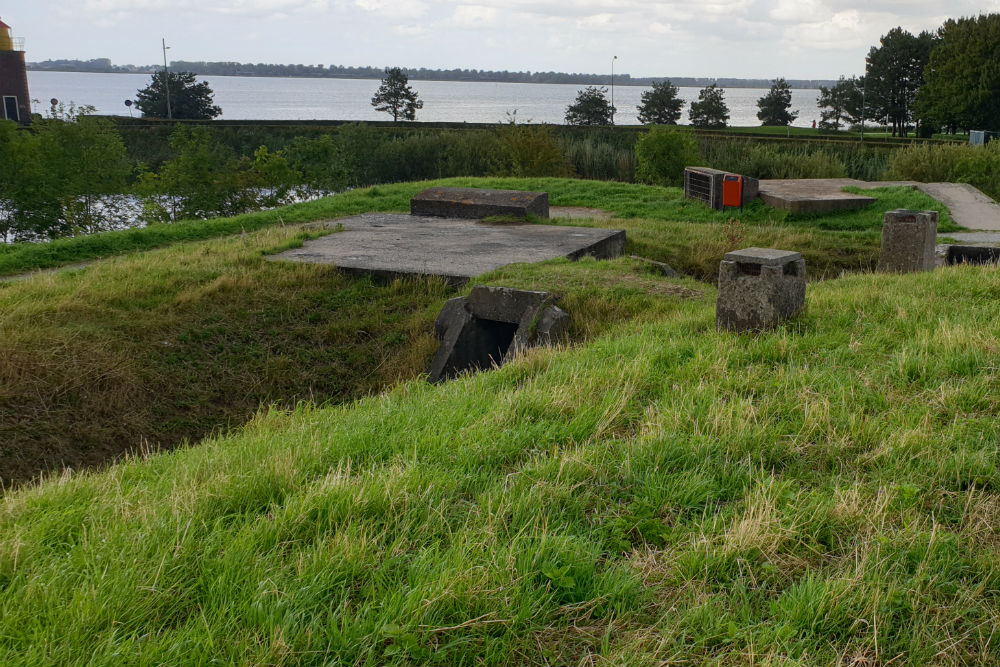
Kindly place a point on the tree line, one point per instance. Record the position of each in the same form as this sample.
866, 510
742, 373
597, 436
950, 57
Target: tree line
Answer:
224, 68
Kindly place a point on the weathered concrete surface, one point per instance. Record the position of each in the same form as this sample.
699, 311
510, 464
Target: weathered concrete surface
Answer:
811, 195
972, 238
474, 203
492, 325
908, 241
758, 288
390, 244
968, 206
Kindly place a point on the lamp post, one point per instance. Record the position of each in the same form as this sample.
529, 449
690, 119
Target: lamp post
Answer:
166, 78
613, 89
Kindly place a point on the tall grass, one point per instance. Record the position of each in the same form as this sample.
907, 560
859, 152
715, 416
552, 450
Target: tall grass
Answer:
826, 493
963, 163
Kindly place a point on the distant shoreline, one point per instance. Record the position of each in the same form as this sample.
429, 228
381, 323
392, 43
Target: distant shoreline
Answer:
104, 66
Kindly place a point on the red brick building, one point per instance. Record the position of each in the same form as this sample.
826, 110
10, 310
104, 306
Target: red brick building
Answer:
15, 103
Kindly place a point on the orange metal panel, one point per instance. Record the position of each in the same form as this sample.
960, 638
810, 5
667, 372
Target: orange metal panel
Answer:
732, 190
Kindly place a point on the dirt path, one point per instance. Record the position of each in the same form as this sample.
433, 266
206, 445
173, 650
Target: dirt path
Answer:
39, 272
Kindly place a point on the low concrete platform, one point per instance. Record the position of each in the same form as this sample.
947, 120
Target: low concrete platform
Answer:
476, 203
809, 195
456, 249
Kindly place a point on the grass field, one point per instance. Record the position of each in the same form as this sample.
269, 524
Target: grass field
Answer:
658, 492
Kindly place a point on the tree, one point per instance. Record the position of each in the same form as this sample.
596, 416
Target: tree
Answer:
661, 105
774, 107
963, 75
395, 96
591, 107
894, 74
710, 110
841, 103
188, 99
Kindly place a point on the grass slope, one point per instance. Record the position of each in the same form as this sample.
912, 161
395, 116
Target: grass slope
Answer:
152, 348
827, 493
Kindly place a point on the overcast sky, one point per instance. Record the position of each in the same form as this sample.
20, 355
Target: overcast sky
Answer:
807, 39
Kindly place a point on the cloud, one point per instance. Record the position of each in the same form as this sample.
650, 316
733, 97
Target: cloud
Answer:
473, 16
391, 9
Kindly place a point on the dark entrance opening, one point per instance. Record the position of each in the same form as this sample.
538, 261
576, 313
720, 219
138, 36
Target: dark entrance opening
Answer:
482, 344
10, 108
973, 254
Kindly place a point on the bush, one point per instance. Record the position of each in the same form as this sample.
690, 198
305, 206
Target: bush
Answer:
661, 155
530, 150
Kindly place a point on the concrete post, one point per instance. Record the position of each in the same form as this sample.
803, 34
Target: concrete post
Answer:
908, 240
758, 288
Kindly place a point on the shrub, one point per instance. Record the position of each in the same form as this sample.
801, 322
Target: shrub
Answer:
661, 155
529, 150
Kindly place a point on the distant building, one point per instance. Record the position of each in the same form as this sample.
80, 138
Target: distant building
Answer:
15, 103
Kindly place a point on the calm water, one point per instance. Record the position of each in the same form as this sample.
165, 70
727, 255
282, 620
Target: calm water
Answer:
258, 98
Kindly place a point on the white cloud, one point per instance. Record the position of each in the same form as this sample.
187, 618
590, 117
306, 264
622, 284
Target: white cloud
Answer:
391, 9
473, 16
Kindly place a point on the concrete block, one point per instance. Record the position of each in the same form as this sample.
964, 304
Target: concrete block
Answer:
492, 325
908, 241
758, 288
473, 203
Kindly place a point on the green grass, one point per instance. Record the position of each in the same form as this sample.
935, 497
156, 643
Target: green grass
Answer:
153, 348
826, 493
623, 199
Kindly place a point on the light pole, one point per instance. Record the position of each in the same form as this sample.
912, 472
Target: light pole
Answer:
166, 78
613, 89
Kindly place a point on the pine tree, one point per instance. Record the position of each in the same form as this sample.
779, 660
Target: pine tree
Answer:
661, 105
395, 96
710, 110
590, 108
774, 107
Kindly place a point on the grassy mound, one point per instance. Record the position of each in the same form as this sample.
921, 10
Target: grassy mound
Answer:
827, 493
149, 349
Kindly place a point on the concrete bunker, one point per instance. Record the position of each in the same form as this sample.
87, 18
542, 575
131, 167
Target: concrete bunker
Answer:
492, 325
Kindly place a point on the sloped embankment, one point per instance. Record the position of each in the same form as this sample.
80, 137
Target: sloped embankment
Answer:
826, 493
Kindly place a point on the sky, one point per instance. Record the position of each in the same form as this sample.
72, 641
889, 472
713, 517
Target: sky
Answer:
797, 39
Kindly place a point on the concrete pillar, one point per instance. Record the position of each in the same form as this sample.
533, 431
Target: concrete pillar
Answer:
908, 240
758, 288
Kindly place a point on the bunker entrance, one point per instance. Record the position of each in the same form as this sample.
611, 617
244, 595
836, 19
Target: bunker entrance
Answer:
491, 325
971, 254
481, 344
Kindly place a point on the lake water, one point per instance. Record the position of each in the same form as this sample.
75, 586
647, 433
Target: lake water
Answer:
265, 98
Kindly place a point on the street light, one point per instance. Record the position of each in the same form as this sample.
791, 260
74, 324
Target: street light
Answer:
613, 89
166, 78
